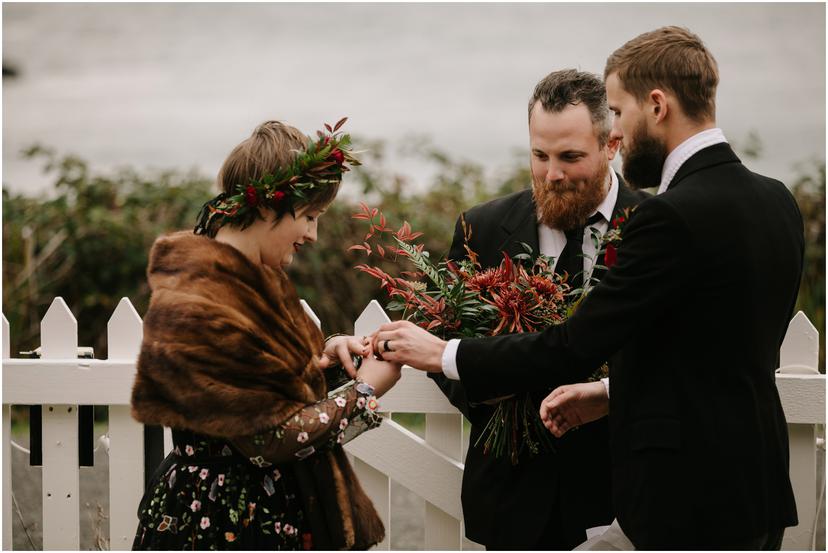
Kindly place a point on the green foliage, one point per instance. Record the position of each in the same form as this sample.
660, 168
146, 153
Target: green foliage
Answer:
87, 239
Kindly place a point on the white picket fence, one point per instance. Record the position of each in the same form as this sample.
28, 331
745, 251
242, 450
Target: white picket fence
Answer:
430, 467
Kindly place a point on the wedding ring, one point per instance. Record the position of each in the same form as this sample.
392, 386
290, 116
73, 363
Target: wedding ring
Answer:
385, 346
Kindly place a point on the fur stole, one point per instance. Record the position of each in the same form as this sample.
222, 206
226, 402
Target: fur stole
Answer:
228, 351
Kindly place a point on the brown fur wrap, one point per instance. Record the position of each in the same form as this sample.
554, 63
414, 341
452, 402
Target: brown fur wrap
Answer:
228, 351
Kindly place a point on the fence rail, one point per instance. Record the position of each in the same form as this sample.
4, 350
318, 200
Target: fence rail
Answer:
431, 467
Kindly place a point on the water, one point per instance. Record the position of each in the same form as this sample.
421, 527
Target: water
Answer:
177, 85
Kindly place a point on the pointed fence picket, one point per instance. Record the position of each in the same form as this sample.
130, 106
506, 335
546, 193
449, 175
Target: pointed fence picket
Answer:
126, 436
61, 483
431, 467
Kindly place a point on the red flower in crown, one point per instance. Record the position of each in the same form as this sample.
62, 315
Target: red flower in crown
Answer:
338, 156
250, 196
611, 256
277, 197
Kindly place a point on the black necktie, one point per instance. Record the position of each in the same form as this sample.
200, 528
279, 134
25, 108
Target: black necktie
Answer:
571, 259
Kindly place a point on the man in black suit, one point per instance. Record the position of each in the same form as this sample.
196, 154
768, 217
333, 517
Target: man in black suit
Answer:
694, 313
547, 501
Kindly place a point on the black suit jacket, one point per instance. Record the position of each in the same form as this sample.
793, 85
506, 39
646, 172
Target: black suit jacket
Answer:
695, 310
510, 507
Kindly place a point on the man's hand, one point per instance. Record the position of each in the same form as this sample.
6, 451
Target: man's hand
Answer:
341, 348
405, 343
571, 406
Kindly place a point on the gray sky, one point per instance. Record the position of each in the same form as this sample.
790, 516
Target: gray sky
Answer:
177, 85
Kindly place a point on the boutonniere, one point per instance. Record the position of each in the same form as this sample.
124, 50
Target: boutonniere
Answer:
612, 238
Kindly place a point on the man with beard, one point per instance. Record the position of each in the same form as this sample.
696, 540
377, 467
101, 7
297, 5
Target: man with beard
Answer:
546, 501
693, 313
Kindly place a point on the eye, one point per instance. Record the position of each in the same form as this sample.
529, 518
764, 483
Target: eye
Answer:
540, 156
311, 218
571, 157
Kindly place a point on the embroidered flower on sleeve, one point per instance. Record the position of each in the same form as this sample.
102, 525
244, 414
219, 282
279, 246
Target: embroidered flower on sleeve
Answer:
192, 468
340, 401
324, 418
189, 450
220, 479
305, 452
343, 423
289, 529
205, 523
277, 527
259, 461
195, 505
230, 536
302, 437
204, 474
360, 402
373, 405
340, 438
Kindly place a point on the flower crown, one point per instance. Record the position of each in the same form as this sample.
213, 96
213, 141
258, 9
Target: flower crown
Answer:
321, 163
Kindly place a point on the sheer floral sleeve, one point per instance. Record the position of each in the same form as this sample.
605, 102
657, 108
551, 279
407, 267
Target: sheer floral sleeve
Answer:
344, 415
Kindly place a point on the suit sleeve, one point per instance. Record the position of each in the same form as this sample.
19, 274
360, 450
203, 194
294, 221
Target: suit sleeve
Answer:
453, 389
654, 263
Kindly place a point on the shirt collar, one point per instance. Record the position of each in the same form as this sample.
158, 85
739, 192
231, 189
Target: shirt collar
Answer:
685, 151
605, 207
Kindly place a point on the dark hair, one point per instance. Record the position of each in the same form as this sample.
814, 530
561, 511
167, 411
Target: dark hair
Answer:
671, 58
570, 87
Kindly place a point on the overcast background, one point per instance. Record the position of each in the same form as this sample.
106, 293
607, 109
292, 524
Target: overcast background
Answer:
178, 85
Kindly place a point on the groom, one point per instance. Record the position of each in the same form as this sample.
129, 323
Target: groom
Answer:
695, 311
546, 502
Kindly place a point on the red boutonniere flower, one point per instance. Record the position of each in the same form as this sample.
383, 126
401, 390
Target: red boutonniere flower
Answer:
611, 256
338, 156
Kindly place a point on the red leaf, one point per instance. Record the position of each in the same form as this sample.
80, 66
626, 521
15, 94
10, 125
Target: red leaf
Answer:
381, 250
357, 247
340, 123
328, 127
359, 216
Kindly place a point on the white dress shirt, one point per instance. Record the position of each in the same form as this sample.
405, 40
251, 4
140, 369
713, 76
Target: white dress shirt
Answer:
672, 164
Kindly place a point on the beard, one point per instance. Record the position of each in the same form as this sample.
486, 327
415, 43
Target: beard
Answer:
568, 204
644, 160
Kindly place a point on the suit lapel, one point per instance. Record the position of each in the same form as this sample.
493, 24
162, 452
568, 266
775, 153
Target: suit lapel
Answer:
626, 198
519, 225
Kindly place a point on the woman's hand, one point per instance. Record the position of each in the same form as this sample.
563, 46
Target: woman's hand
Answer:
382, 375
341, 348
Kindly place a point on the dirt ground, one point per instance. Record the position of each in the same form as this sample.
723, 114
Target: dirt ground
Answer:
407, 513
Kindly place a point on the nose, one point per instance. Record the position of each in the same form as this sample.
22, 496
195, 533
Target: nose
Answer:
615, 132
310, 234
554, 172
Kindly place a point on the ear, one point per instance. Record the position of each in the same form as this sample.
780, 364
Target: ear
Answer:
657, 105
612, 147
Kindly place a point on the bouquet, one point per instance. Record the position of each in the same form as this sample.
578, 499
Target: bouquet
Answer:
463, 300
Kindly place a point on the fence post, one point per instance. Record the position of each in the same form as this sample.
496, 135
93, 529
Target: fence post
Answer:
445, 434
61, 507
7, 481
376, 484
800, 354
126, 436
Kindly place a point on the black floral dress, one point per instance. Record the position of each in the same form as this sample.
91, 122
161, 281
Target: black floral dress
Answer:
212, 493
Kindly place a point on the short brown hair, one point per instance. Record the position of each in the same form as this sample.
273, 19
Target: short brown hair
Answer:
570, 87
272, 145
671, 58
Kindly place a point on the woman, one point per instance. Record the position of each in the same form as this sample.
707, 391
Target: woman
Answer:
234, 366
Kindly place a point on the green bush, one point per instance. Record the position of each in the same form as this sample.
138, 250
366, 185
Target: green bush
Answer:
87, 239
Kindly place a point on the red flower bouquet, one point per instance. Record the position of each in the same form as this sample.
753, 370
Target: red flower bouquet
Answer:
462, 300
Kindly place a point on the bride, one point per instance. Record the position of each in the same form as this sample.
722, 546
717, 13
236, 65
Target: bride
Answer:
232, 364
